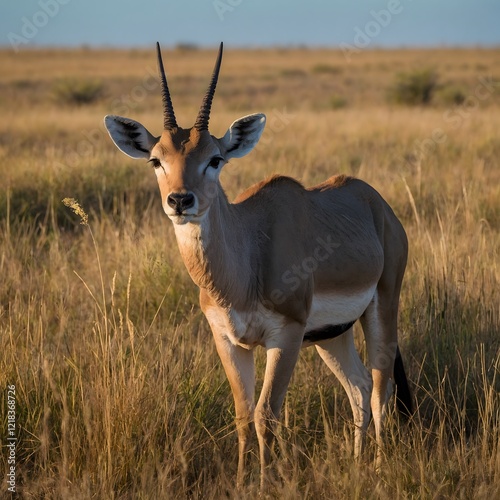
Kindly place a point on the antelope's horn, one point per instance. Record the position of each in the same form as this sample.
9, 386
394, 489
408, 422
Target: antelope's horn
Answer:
204, 113
169, 121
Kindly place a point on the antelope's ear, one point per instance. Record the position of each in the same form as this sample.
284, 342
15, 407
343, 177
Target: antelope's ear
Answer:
243, 135
130, 136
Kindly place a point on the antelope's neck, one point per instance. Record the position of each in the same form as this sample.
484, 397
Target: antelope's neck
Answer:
217, 253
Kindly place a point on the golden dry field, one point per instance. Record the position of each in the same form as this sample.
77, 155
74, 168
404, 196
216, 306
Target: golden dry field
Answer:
119, 392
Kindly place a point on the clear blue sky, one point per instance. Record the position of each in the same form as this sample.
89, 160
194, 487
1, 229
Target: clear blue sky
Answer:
249, 22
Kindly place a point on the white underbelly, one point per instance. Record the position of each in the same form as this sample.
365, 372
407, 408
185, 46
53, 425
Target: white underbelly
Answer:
337, 309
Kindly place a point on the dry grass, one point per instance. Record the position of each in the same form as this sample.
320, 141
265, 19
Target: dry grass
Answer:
119, 390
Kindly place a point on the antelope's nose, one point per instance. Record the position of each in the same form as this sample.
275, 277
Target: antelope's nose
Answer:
180, 201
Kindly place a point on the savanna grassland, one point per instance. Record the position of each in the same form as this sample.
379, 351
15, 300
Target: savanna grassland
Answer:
119, 392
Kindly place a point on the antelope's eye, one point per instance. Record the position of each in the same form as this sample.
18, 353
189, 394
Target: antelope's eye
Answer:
215, 161
155, 162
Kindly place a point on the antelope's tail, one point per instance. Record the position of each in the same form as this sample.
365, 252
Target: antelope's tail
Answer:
404, 401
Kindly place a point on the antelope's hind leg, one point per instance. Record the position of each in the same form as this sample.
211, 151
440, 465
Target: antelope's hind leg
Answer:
341, 356
380, 328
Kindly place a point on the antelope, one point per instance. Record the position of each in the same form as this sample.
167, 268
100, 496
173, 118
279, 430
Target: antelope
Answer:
283, 267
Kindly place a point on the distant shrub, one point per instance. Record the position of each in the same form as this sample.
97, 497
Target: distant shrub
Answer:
338, 102
293, 73
24, 84
452, 94
186, 47
414, 88
326, 69
77, 92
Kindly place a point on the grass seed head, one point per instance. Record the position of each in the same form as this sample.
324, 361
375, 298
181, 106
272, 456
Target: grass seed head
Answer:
77, 209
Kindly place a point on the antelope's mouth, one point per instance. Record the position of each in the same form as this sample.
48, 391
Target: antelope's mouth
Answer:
181, 218
184, 218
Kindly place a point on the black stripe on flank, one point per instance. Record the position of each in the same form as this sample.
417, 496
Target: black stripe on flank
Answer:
327, 332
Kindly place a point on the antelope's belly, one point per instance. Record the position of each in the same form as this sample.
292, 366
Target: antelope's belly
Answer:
336, 308
248, 329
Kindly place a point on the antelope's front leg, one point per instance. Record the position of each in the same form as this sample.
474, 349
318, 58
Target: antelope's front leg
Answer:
282, 352
238, 364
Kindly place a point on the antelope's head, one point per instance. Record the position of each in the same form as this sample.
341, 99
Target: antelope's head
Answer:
187, 162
